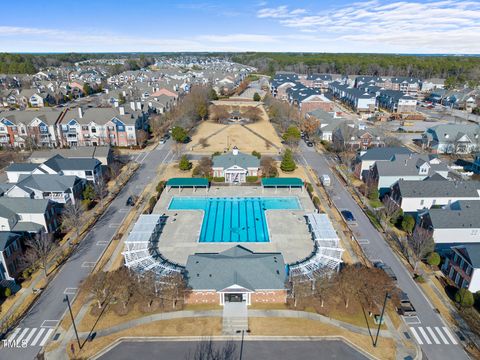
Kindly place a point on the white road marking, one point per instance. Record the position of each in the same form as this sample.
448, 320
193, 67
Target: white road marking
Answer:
113, 225
444, 339
47, 335
419, 341
27, 339
102, 243
88, 264
412, 320
70, 291
15, 333
34, 342
20, 337
425, 336
432, 334
50, 323
450, 336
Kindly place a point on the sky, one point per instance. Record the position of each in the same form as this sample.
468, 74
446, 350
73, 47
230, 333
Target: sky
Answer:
378, 26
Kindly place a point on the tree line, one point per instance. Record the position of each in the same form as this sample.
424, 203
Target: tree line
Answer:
462, 67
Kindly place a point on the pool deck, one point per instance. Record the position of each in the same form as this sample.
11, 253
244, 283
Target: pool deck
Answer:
288, 230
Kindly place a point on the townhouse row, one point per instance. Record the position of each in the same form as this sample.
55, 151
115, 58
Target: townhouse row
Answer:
72, 127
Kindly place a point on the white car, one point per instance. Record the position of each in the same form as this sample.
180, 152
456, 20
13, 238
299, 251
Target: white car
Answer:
162, 141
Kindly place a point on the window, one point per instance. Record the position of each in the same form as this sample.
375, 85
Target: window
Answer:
84, 127
94, 130
89, 173
15, 245
434, 201
422, 202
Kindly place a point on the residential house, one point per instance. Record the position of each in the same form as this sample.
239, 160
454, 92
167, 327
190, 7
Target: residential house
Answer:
350, 137
452, 138
396, 101
366, 159
236, 166
462, 266
414, 195
359, 100
103, 127
28, 215
281, 82
329, 123
319, 81
10, 255
85, 168
61, 189
407, 85
456, 224
432, 84
104, 154
308, 99
405, 167
236, 275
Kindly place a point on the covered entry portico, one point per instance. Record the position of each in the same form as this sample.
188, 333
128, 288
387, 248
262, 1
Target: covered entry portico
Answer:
235, 294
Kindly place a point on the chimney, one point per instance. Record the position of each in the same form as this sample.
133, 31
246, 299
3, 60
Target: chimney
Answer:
132, 105
122, 110
115, 104
139, 105
235, 151
80, 113
124, 93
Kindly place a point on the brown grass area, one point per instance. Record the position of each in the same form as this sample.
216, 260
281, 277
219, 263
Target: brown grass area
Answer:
302, 327
177, 327
298, 172
172, 170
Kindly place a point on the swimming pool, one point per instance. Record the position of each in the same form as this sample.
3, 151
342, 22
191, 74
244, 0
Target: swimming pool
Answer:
234, 219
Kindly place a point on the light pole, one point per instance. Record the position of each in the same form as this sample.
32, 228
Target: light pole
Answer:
241, 343
73, 320
387, 296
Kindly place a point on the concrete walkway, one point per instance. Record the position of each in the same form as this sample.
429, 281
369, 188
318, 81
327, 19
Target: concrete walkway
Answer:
235, 317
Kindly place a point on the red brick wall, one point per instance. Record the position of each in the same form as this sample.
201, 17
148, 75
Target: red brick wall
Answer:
314, 105
203, 297
275, 296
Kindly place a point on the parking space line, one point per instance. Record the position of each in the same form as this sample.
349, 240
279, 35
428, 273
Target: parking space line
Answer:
50, 323
88, 264
102, 242
70, 291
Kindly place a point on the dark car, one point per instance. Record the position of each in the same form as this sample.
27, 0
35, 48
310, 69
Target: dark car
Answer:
166, 136
388, 270
309, 144
348, 216
131, 200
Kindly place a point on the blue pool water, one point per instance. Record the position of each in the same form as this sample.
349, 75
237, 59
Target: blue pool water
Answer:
234, 219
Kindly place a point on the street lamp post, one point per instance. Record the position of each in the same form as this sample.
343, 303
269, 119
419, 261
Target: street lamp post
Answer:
387, 295
67, 300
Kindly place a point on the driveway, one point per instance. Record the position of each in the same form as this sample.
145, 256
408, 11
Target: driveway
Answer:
38, 326
428, 329
252, 350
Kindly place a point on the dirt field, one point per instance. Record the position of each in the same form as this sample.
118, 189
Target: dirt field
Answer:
223, 137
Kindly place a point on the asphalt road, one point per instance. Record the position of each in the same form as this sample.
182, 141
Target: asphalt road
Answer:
429, 329
37, 327
252, 350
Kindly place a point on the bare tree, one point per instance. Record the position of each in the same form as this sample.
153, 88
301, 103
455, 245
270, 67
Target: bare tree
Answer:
253, 113
204, 167
100, 188
173, 287
268, 166
421, 243
310, 125
203, 142
124, 288
39, 250
100, 286
72, 217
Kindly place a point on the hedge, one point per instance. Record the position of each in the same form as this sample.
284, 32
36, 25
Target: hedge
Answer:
309, 188
252, 179
218, 179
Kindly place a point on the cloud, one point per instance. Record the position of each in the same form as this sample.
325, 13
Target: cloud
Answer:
418, 25
238, 38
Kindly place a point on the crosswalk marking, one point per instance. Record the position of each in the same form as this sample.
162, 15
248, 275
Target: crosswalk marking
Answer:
27, 339
450, 336
432, 334
34, 342
45, 338
20, 337
427, 339
414, 332
15, 333
444, 339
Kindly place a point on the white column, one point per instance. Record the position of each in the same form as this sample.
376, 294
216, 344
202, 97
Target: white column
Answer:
222, 298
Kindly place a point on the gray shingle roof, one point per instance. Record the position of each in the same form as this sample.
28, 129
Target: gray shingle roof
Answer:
461, 214
245, 161
47, 182
21, 167
24, 205
384, 153
59, 163
439, 188
471, 252
236, 266
407, 165
6, 238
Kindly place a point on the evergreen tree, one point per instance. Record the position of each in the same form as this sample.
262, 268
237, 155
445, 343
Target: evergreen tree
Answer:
184, 163
288, 163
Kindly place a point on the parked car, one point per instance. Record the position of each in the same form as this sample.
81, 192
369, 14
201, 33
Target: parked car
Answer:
388, 270
405, 307
162, 141
309, 143
325, 179
348, 216
132, 199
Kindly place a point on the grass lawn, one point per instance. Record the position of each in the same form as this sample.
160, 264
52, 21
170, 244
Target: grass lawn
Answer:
178, 327
202, 307
303, 327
